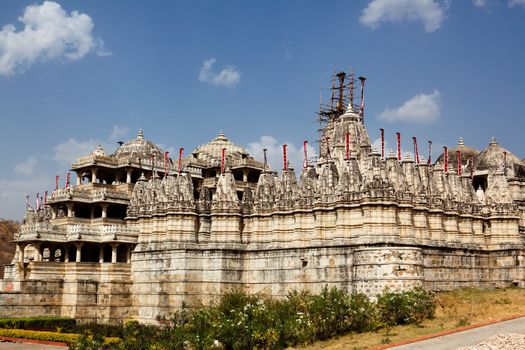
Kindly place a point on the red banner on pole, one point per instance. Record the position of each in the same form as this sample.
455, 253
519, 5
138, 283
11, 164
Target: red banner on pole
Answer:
398, 146
223, 153
305, 146
285, 161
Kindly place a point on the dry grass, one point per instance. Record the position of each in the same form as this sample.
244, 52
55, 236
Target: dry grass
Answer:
454, 309
7, 249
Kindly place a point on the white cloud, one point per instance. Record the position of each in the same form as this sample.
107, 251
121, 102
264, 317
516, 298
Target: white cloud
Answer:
294, 154
27, 167
13, 193
513, 3
228, 76
480, 3
430, 12
118, 132
422, 108
67, 152
49, 33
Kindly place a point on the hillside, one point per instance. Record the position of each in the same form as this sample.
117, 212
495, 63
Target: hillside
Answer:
7, 250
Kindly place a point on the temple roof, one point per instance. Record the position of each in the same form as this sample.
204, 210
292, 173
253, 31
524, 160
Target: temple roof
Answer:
139, 148
466, 153
210, 153
493, 159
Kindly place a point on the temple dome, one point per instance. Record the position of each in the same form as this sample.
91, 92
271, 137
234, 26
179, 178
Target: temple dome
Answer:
493, 159
210, 153
466, 153
139, 148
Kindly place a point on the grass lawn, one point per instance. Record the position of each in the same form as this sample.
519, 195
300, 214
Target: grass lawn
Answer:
454, 309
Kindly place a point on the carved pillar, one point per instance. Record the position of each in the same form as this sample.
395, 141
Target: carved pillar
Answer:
21, 248
70, 210
245, 175
104, 211
128, 254
54, 212
79, 177
94, 175
101, 254
38, 252
114, 253
128, 176
66, 254
79, 252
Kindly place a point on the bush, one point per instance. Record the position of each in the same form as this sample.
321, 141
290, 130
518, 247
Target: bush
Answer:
52, 324
68, 338
243, 321
405, 307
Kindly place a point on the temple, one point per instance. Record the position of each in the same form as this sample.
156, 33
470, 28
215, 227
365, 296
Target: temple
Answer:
139, 236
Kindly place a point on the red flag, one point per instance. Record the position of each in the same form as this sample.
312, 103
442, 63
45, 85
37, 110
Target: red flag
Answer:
223, 152
445, 150
68, 175
382, 143
285, 168
347, 146
398, 146
305, 145
429, 152
180, 160
56, 182
165, 162
459, 162
416, 152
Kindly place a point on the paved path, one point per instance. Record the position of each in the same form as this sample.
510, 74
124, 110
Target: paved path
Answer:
469, 337
4, 345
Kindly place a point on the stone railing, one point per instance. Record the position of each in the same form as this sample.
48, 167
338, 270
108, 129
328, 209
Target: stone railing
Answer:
93, 159
107, 193
101, 233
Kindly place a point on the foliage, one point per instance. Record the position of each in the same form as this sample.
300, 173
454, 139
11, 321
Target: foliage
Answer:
243, 321
412, 306
52, 324
68, 338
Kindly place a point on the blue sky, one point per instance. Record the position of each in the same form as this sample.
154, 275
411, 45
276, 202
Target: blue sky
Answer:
76, 73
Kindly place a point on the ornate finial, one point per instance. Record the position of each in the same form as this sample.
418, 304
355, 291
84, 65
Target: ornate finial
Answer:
142, 177
221, 137
493, 141
461, 142
140, 134
391, 154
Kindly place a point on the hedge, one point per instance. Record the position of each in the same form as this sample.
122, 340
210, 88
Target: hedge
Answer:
67, 338
53, 324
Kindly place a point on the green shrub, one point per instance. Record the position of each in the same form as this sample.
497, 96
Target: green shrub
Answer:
68, 338
64, 324
405, 307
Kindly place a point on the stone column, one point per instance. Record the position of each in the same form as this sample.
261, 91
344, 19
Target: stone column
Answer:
100, 254
79, 177
104, 211
94, 175
21, 248
114, 253
38, 252
66, 254
128, 254
54, 210
128, 176
79, 252
70, 211
244, 175
92, 212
